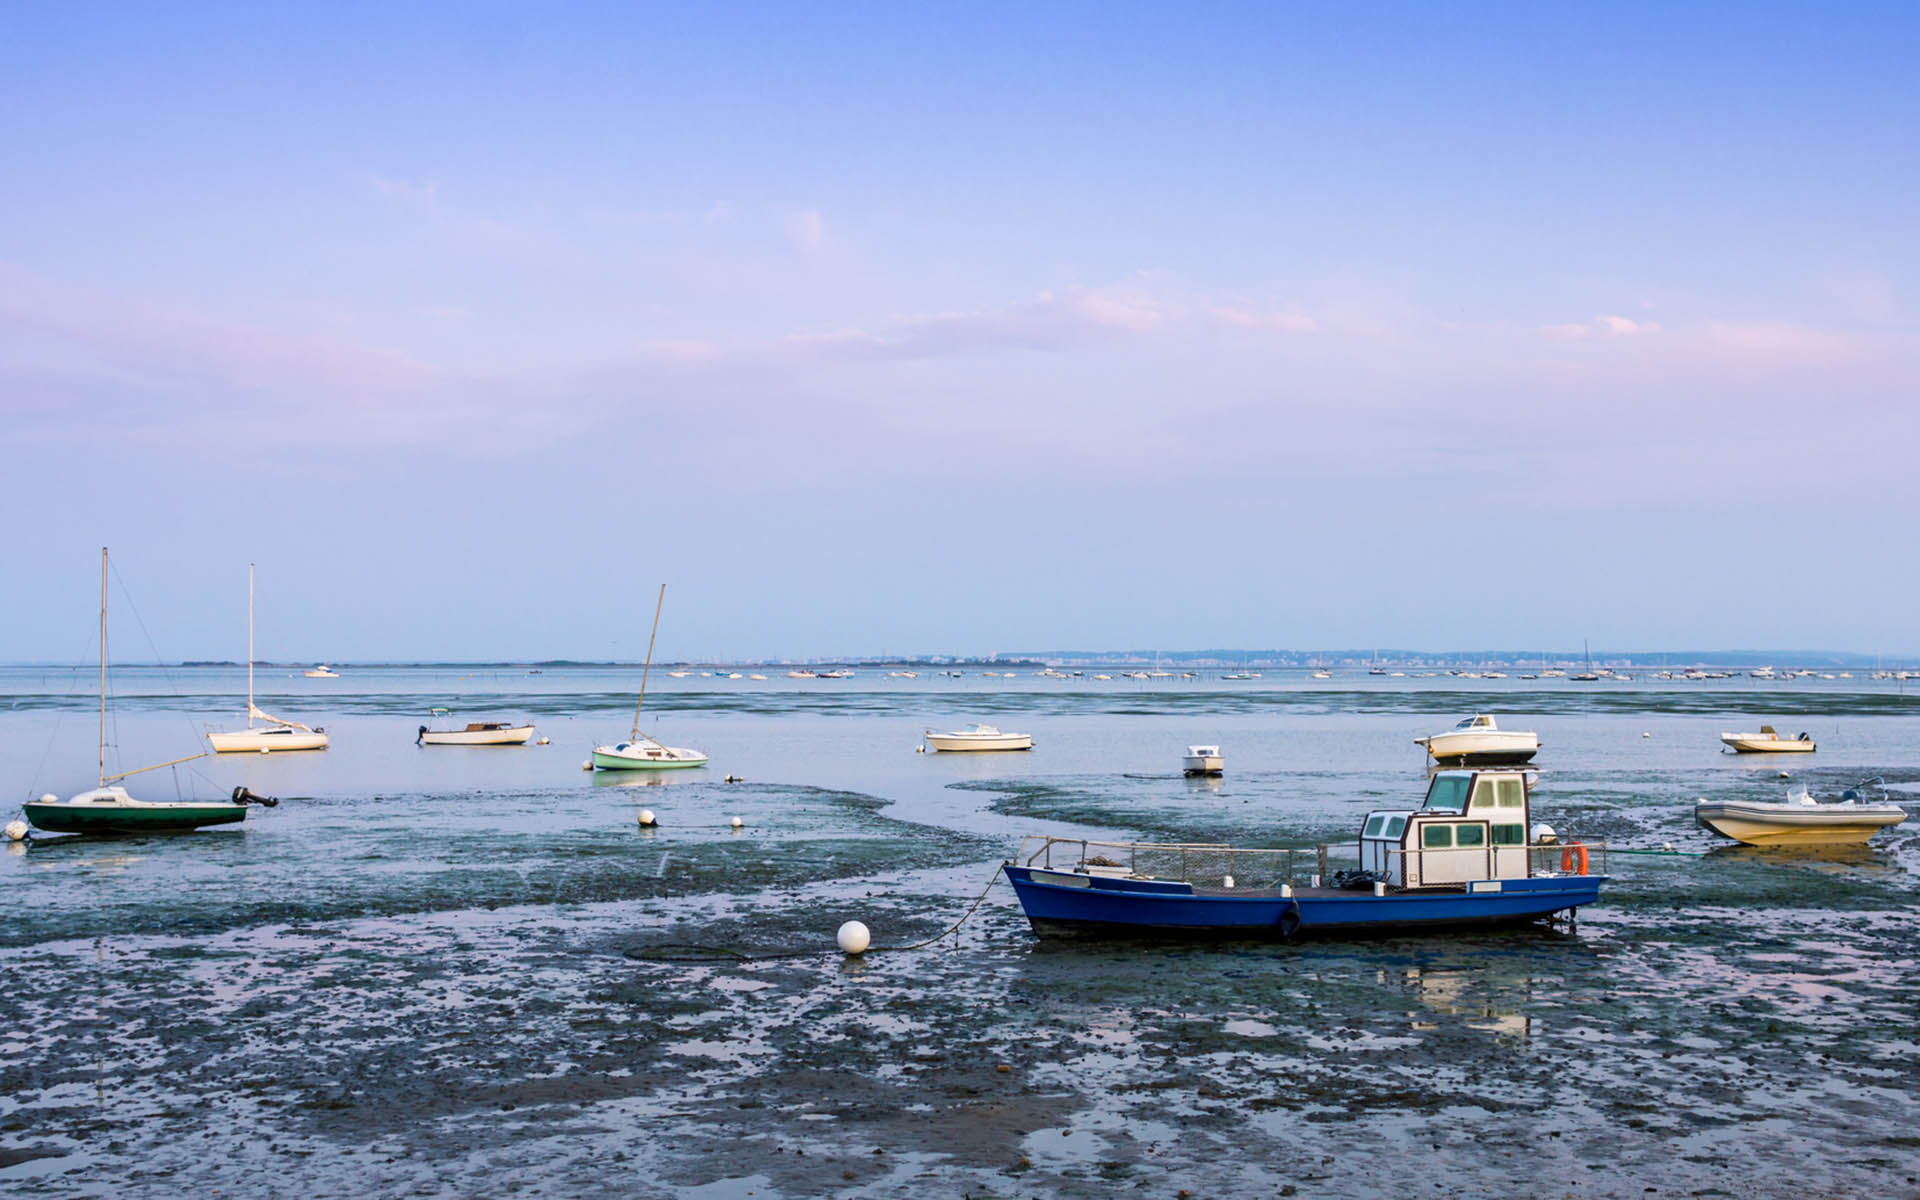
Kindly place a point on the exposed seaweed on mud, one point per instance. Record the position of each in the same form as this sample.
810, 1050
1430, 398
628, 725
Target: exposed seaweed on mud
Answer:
344, 861
521, 991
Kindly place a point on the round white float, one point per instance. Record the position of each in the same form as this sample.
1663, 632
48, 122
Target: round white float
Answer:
736, 822
1542, 834
16, 830
647, 818
853, 938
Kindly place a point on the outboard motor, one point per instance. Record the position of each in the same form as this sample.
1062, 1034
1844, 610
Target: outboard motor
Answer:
418, 736
242, 796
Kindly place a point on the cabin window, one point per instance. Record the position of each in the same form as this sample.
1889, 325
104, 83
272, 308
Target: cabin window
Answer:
1373, 826
1483, 793
1471, 835
1512, 793
1448, 794
1395, 825
1509, 835
1437, 837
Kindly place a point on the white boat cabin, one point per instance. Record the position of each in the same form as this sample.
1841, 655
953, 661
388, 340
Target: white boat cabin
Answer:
1473, 826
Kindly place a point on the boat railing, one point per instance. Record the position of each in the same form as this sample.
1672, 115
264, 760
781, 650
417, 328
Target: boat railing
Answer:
1571, 857
1192, 862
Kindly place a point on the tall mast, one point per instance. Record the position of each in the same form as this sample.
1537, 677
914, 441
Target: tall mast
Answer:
103, 667
635, 735
249, 645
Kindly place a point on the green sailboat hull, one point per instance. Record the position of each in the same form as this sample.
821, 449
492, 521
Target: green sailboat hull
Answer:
140, 818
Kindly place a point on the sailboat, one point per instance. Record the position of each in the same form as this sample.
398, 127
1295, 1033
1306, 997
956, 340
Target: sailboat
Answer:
640, 752
108, 808
279, 733
1586, 676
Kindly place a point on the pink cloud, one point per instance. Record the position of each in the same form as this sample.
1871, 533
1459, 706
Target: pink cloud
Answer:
1781, 343
1280, 322
1600, 328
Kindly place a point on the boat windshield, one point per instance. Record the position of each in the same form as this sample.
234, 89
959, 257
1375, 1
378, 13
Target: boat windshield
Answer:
1448, 793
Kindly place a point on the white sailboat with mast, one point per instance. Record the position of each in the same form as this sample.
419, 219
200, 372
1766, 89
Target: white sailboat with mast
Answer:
641, 752
109, 808
279, 733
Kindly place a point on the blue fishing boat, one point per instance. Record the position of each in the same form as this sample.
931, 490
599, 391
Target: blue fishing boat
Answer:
1464, 858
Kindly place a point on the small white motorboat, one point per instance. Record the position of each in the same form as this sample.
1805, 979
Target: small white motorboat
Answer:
1205, 760
1479, 739
1767, 742
979, 737
476, 733
1801, 820
323, 671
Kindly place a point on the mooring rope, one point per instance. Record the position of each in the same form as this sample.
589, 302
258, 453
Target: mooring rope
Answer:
683, 952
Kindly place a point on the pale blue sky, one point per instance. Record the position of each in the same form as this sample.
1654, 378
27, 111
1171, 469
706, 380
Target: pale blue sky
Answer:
960, 329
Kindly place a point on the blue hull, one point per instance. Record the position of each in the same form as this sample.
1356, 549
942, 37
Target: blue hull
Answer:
1057, 902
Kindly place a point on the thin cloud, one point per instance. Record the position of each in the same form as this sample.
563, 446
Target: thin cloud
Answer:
1051, 321
1601, 328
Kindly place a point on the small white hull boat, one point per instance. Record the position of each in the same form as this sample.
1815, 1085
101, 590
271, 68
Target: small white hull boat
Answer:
477, 733
1800, 820
268, 739
1480, 740
1767, 742
979, 737
323, 671
646, 756
1204, 760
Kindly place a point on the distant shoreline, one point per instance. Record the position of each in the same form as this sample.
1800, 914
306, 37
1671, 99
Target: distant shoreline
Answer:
1210, 660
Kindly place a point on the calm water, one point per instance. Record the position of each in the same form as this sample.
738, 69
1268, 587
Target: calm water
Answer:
454, 971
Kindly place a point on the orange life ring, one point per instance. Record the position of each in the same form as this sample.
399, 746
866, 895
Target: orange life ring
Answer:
1571, 852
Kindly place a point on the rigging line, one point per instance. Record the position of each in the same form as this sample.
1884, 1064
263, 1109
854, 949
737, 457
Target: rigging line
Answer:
59, 718
126, 593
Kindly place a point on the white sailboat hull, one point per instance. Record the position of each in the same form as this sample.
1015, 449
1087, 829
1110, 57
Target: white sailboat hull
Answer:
243, 741
646, 756
512, 735
1205, 764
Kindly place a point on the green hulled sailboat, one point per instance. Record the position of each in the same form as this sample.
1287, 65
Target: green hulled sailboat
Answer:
640, 752
109, 808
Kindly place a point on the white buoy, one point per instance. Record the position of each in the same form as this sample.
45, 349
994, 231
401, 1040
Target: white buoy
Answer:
1784, 775
1646, 735
587, 765
920, 749
853, 938
1543, 834
647, 819
16, 830
736, 822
